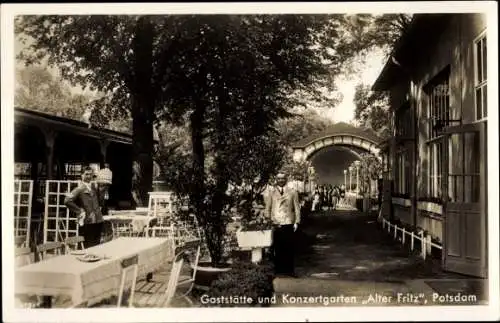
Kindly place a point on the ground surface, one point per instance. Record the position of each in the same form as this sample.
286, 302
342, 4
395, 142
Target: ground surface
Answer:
346, 254
344, 258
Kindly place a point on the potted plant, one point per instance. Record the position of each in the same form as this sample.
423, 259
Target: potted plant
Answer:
255, 232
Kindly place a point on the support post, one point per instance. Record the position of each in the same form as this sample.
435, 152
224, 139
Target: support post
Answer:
103, 144
404, 236
50, 138
423, 248
357, 180
412, 241
256, 255
429, 244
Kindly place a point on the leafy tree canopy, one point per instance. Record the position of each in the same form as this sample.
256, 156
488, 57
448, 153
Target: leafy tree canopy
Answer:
372, 110
38, 89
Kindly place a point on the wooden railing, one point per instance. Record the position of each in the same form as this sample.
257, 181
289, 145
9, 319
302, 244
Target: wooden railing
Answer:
425, 240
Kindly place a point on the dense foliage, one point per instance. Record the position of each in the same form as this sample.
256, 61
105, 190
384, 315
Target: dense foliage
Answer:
372, 110
228, 77
247, 280
38, 89
370, 169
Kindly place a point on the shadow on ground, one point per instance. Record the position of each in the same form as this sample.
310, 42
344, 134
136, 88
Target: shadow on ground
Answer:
349, 245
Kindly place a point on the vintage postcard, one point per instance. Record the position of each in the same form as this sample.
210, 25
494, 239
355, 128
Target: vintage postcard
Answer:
250, 161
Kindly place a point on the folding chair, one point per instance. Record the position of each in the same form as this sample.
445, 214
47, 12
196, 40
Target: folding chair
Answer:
162, 227
128, 264
191, 251
173, 280
54, 246
20, 241
73, 243
122, 228
23, 258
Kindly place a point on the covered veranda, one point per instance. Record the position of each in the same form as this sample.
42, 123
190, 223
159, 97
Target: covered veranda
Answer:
48, 147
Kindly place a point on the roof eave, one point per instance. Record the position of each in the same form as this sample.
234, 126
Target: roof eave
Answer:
391, 73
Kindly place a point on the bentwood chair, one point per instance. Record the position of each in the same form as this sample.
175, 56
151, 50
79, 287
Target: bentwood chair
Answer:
74, 243
50, 248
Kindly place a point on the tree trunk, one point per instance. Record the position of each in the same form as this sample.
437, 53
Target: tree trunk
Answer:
143, 105
221, 181
198, 189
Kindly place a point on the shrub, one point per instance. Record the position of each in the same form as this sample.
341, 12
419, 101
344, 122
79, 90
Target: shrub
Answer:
244, 279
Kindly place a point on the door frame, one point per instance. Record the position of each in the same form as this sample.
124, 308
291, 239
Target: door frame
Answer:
479, 127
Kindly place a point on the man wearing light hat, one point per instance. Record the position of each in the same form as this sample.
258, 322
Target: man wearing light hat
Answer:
283, 208
104, 180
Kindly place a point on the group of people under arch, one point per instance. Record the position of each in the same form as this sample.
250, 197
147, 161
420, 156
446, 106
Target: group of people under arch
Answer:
327, 196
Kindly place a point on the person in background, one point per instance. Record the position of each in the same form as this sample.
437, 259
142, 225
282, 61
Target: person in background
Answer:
335, 196
283, 208
330, 196
85, 201
104, 180
316, 200
342, 191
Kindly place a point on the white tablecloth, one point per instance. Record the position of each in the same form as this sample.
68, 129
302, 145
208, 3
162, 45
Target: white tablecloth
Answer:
139, 222
92, 282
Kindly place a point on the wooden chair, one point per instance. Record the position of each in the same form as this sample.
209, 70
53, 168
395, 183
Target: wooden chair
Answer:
74, 243
173, 280
122, 228
20, 241
128, 264
191, 251
162, 228
54, 246
23, 258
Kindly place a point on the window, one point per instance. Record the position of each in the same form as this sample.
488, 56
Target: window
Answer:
481, 71
402, 181
464, 167
438, 93
73, 171
435, 153
403, 121
438, 111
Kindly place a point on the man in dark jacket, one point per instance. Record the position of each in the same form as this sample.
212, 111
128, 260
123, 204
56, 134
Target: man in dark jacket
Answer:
85, 201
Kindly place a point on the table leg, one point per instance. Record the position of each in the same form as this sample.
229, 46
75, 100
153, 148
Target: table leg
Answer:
46, 302
256, 255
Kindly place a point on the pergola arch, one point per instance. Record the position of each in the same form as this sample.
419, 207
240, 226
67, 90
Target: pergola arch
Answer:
305, 151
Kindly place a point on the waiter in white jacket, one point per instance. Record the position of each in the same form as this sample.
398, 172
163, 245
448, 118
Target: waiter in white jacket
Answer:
283, 207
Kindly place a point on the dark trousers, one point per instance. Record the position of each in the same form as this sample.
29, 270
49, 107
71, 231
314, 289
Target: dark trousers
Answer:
283, 250
92, 234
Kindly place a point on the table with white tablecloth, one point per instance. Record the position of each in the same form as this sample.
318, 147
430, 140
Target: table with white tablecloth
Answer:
91, 282
139, 222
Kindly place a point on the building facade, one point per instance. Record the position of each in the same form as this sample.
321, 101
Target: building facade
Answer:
48, 147
436, 163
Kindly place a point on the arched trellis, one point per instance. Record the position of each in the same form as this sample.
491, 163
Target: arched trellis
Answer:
304, 152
